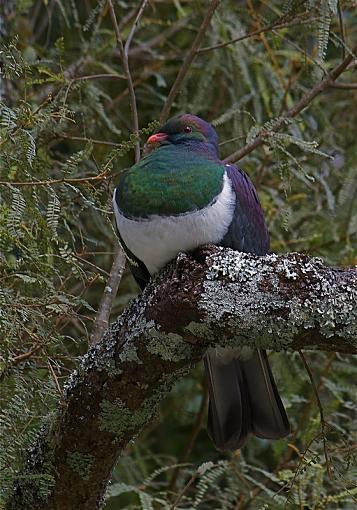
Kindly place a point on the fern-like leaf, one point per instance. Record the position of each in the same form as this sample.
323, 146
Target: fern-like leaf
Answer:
53, 212
18, 205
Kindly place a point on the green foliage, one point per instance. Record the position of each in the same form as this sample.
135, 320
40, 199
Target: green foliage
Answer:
66, 134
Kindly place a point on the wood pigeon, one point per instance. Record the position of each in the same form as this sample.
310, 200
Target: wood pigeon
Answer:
181, 196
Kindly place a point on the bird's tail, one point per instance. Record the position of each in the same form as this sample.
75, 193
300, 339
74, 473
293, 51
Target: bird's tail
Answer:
243, 399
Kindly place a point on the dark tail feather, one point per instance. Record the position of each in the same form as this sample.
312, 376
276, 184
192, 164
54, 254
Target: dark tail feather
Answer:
269, 418
228, 413
243, 399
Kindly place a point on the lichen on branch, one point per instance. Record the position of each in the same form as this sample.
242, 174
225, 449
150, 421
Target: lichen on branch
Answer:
212, 297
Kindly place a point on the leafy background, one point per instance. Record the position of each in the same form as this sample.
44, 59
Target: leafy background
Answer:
65, 119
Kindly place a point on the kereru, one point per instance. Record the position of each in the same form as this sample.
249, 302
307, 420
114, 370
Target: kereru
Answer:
177, 198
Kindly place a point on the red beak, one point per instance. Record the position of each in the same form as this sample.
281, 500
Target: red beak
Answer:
157, 138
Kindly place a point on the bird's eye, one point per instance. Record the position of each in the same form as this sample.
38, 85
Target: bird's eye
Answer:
187, 129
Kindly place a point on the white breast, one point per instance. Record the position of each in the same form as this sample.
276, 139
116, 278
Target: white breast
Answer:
158, 239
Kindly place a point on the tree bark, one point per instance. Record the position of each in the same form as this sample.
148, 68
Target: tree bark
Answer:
211, 297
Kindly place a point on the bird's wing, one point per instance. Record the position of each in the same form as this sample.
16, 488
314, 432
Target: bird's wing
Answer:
137, 267
248, 231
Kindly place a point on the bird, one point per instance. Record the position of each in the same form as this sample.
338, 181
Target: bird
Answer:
177, 198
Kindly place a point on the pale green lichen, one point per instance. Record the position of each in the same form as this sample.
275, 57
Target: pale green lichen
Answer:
129, 353
81, 463
241, 316
252, 308
169, 346
200, 330
117, 418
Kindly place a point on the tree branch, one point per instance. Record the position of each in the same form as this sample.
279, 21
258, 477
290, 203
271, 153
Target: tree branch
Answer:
175, 89
118, 265
214, 296
296, 109
110, 291
276, 25
321, 411
49, 182
343, 86
124, 53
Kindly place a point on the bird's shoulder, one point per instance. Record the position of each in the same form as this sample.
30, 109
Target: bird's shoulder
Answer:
248, 231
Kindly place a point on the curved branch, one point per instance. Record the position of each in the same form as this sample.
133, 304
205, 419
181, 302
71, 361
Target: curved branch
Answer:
326, 83
124, 50
214, 296
175, 89
276, 25
110, 291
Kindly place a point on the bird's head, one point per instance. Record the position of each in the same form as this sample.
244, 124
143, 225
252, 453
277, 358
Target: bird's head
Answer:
188, 130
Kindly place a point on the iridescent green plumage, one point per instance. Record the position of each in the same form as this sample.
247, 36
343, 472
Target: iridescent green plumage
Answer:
170, 181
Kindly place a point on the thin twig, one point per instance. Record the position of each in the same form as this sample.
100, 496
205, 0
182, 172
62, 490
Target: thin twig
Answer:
185, 488
147, 73
276, 25
99, 269
110, 291
26, 355
322, 417
54, 377
68, 75
124, 56
175, 89
158, 39
344, 86
306, 410
89, 140
100, 177
342, 29
41, 25
133, 28
292, 448
301, 461
118, 266
101, 76
270, 53
194, 433
297, 108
